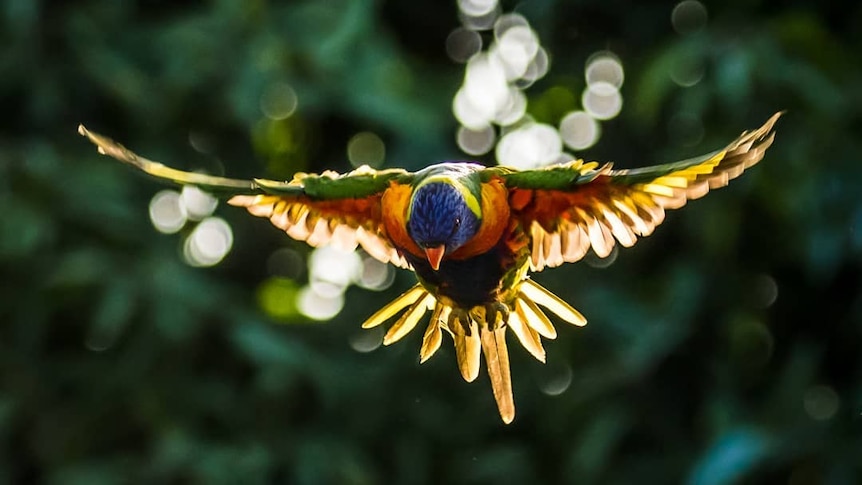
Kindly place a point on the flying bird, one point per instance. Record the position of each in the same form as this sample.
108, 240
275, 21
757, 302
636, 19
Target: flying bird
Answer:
472, 234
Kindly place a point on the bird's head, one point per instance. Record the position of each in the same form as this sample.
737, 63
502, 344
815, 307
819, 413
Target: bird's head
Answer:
443, 216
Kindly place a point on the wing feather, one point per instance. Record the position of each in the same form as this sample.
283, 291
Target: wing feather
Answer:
569, 209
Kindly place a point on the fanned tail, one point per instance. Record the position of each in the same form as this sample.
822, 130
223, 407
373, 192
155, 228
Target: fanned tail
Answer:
480, 330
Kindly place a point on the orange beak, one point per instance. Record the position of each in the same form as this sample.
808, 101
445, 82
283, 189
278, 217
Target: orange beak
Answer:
434, 256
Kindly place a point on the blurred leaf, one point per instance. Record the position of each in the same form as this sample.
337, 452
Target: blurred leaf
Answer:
732, 456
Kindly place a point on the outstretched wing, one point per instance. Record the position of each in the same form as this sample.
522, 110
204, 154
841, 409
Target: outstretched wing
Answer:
568, 209
344, 210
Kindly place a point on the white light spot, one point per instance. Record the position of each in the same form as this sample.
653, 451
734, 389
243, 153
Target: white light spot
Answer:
365, 341
516, 48
604, 67
469, 115
538, 67
602, 101
821, 402
506, 22
208, 243
278, 101
477, 8
198, 204
316, 306
484, 93
479, 22
167, 212
530, 146
579, 130
513, 110
462, 44
331, 265
476, 142
565, 157
366, 148
375, 275
688, 17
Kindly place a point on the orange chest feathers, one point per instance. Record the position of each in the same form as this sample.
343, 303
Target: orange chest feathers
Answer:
495, 219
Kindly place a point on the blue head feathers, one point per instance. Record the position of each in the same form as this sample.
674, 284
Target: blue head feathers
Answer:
439, 216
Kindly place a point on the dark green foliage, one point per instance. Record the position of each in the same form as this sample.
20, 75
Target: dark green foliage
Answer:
119, 363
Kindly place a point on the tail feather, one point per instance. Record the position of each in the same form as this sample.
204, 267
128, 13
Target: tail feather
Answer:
497, 360
480, 330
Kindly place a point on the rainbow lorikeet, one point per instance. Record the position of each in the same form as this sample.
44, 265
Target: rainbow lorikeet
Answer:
471, 234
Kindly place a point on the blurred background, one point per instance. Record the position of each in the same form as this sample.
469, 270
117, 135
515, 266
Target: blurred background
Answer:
149, 334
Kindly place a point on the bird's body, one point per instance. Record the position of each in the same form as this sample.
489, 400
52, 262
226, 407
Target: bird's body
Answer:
472, 268
472, 234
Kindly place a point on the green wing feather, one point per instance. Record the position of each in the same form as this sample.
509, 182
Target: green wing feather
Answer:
360, 183
572, 208
317, 209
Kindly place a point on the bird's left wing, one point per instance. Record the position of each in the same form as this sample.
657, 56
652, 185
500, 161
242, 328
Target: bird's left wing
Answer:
568, 209
345, 210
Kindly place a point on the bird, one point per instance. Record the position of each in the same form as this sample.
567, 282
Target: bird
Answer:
472, 234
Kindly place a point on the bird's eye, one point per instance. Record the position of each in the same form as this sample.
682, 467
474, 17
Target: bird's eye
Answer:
457, 222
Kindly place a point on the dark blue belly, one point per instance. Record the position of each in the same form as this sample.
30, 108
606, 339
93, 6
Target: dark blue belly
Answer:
468, 282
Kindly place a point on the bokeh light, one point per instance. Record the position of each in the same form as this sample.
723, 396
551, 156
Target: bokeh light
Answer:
276, 296
478, 14
529, 146
516, 48
198, 204
508, 21
167, 212
278, 101
688, 70
513, 110
462, 44
477, 8
318, 307
365, 341
821, 402
579, 130
688, 17
604, 67
536, 70
375, 275
765, 290
476, 142
201, 142
485, 91
332, 270
366, 148
287, 263
593, 259
208, 243
602, 101
555, 378
492, 96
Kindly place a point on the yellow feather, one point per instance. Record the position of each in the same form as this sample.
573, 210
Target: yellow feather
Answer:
535, 318
532, 290
408, 321
407, 298
433, 336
